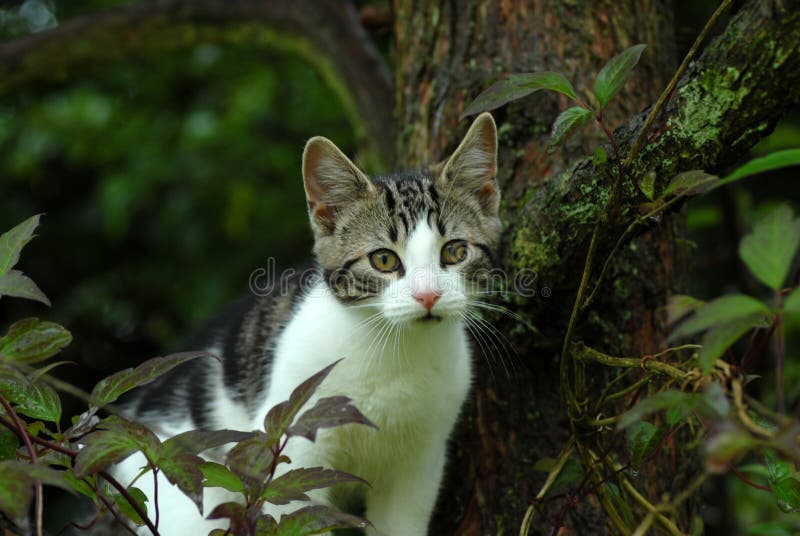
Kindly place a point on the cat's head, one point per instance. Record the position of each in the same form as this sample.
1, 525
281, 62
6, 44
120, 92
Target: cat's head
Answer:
411, 244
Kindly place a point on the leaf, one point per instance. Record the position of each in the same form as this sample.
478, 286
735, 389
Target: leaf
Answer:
792, 303
777, 468
34, 399
316, 520
622, 505
197, 441
281, 416
568, 122
217, 475
680, 305
183, 470
615, 73
16, 491
776, 160
769, 250
293, 485
726, 446
252, 458
328, 413
18, 285
515, 87
716, 401
720, 338
643, 439
12, 242
658, 402
787, 494
724, 310
571, 475
236, 512
126, 508
9, 442
114, 386
599, 156
647, 185
30, 341
691, 182
104, 447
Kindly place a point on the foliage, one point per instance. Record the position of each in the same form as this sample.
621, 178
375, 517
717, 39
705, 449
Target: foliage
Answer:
78, 458
699, 397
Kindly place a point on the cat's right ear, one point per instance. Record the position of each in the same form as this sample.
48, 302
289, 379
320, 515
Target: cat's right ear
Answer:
331, 181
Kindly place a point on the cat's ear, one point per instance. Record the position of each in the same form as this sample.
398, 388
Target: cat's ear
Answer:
331, 181
473, 166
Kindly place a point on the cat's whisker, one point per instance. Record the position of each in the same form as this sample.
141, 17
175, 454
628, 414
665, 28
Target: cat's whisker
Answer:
479, 340
495, 334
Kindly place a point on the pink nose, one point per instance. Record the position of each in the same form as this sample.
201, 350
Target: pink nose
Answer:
427, 298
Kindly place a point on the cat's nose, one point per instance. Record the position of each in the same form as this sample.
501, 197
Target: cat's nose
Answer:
427, 298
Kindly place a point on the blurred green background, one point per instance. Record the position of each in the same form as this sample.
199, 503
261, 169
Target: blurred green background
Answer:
166, 180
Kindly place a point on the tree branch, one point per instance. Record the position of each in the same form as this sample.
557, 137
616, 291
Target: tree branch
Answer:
732, 96
326, 33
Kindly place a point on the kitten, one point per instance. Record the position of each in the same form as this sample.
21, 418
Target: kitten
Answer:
398, 257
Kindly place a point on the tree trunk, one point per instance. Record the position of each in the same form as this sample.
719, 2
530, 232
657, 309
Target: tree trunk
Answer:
447, 53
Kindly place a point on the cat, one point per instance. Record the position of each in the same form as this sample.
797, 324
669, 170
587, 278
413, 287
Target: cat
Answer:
398, 257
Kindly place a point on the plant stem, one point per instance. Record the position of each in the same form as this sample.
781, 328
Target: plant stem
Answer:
780, 354
26, 438
155, 491
637, 144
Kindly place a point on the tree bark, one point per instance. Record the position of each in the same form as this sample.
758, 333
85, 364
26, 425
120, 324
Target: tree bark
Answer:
446, 53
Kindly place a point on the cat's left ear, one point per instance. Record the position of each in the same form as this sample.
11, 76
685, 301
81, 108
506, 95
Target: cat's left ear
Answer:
473, 166
332, 181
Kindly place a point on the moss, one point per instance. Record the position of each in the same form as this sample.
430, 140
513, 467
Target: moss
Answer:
533, 252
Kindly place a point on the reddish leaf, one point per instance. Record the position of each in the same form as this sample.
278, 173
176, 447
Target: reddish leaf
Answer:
293, 485
111, 388
328, 413
316, 520
280, 416
30, 341
197, 441
119, 440
183, 470
252, 458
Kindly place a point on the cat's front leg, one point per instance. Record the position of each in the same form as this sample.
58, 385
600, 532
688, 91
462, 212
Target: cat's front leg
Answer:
403, 505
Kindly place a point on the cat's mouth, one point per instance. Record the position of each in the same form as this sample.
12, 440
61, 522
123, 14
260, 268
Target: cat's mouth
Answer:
430, 317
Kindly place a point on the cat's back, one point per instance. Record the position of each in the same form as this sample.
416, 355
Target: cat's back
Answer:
217, 390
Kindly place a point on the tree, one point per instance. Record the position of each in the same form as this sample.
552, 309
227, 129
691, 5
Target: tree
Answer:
564, 212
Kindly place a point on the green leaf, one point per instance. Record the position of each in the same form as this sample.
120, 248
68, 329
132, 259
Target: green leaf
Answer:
9, 442
724, 310
720, 338
34, 399
16, 491
664, 400
643, 438
197, 441
792, 303
568, 122
787, 494
30, 341
293, 485
691, 182
18, 285
12, 242
647, 185
111, 388
776, 160
252, 458
217, 475
118, 440
281, 416
570, 476
599, 156
613, 76
328, 413
316, 520
622, 505
517, 86
725, 446
680, 305
183, 470
126, 508
769, 250
777, 468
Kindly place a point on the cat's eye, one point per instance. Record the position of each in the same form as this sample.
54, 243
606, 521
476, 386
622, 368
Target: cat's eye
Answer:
454, 252
384, 260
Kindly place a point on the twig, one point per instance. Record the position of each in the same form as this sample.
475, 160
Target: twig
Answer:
113, 511
586, 353
746, 480
23, 433
637, 144
155, 491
